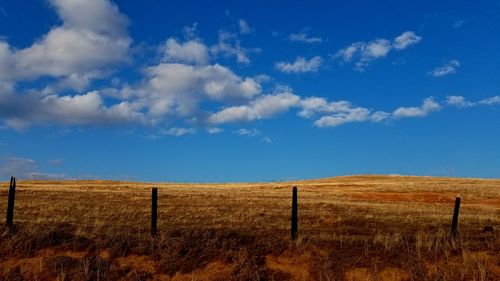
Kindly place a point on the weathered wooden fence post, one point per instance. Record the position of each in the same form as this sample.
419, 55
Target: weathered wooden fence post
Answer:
10, 205
295, 226
154, 210
454, 222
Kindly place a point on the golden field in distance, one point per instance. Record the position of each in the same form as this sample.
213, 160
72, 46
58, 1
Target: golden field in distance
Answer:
367, 227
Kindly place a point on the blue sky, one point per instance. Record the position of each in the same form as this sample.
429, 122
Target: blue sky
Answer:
208, 91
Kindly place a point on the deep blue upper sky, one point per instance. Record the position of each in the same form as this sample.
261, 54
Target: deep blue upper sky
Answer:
248, 90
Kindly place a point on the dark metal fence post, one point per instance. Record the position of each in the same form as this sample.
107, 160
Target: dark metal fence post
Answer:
154, 210
454, 222
10, 204
294, 214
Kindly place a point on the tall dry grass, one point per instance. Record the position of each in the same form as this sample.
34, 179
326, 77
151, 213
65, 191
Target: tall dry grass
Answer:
350, 228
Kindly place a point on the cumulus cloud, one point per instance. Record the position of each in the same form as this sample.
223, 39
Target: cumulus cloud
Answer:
303, 37
91, 40
429, 105
183, 86
20, 112
334, 113
458, 101
263, 107
177, 89
358, 114
191, 52
300, 65
446, 69
362, 53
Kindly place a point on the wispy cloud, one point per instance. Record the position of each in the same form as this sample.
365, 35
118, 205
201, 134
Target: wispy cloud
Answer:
459, 23
406, 39
445, 69
300, 65
229, 45
458, 101
214, 130
462, 102
247, 132
266, 140
429, 105
244, 27
178, 131
55, 162
303, 37
3, 11
361, 54
490, 101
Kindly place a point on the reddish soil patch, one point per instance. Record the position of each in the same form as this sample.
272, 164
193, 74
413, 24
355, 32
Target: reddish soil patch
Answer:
386, 274
213, 271
428, 197
295, 266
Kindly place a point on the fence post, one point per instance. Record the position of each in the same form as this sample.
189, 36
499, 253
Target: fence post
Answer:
154, 210
294, 228
454, 222
10, 205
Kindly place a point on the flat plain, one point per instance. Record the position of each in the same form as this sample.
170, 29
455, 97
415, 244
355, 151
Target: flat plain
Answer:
367, 227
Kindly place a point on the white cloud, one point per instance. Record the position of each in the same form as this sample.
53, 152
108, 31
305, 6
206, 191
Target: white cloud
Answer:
429, 105
446, 69
362, 53
304, 38
315, 105
247, 132
266, 140
91, 40
357, 114
458, 101
228, 45
379, 116
192, 51
177, 131
20, 112
300, 65
177, 89
332, 113
99, 16
462, 102
406, 39
263, 107
244, 27
214, 130
490, 101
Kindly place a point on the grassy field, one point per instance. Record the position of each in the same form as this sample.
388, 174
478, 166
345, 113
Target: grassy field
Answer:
350, 228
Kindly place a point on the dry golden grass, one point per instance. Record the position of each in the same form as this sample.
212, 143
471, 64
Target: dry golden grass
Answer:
350, 228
